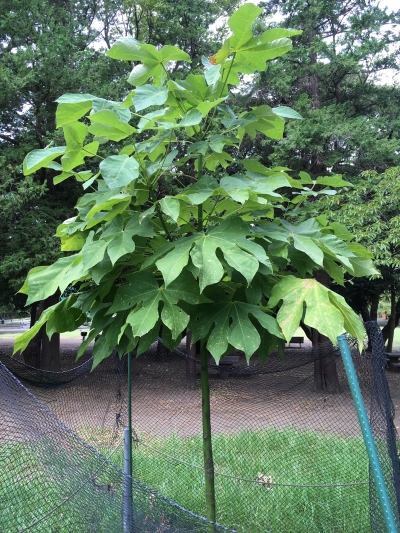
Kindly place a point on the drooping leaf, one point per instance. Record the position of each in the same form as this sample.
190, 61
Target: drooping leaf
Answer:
119, 170
149, 95
228, 323
41, 158
43, 282
72, 107
287, 112
65, 317
308, 300
22, 341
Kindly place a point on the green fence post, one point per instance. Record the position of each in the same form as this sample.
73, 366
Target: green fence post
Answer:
375, 465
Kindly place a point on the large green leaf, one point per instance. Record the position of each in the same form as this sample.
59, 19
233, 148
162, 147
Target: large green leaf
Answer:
287, 112
171, 207
308, 300
192, 118
71, 107
75, 158
22, 341
241, 24
129, 49
242, 254
41, 158
173, 316
105, 123
228, 323
65, 317
254, 54
121, 244
143, 295
148, 95
108, 340
143, 72
74, 133
43, 282
267, 123
174, 262
119, 170
93, 253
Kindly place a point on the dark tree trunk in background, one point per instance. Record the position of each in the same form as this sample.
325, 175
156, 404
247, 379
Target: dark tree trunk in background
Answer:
32, 351
325, 370
391, 322
190, 364
41, 352
374, 307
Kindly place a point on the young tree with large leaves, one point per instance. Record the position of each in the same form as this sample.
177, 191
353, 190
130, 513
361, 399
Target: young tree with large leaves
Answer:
212, 259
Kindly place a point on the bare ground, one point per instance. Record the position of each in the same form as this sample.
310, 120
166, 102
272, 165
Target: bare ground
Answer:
161, 404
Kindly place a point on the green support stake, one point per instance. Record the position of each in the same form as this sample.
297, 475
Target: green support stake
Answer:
376, 468
127, 496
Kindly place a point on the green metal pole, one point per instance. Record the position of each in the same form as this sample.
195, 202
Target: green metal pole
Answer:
376, 468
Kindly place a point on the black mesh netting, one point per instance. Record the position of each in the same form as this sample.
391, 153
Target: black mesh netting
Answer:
52, 481
288, 457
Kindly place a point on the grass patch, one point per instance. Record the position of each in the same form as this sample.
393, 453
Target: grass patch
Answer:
39, 478
289, 457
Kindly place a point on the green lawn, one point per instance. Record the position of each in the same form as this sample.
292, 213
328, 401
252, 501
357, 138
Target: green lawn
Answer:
298, 457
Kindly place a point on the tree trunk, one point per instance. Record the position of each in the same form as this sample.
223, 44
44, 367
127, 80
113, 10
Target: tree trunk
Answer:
325, 370
190, 363
389, 325
41, 352
207, 442
374, 307
32, 351
391, 321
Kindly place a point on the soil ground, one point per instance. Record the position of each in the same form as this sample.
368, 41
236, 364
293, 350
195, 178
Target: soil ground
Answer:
163, 406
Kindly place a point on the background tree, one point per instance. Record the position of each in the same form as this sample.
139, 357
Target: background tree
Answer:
371, 211
333, 78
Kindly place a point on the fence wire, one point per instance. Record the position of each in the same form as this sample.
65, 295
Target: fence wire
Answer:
288, 453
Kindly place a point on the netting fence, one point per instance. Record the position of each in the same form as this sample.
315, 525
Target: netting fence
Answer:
288, 457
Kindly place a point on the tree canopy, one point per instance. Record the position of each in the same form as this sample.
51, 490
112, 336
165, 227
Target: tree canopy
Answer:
336, 76
216, 258
51, 48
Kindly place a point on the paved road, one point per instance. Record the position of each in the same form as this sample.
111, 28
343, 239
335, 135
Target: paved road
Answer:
12, 329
